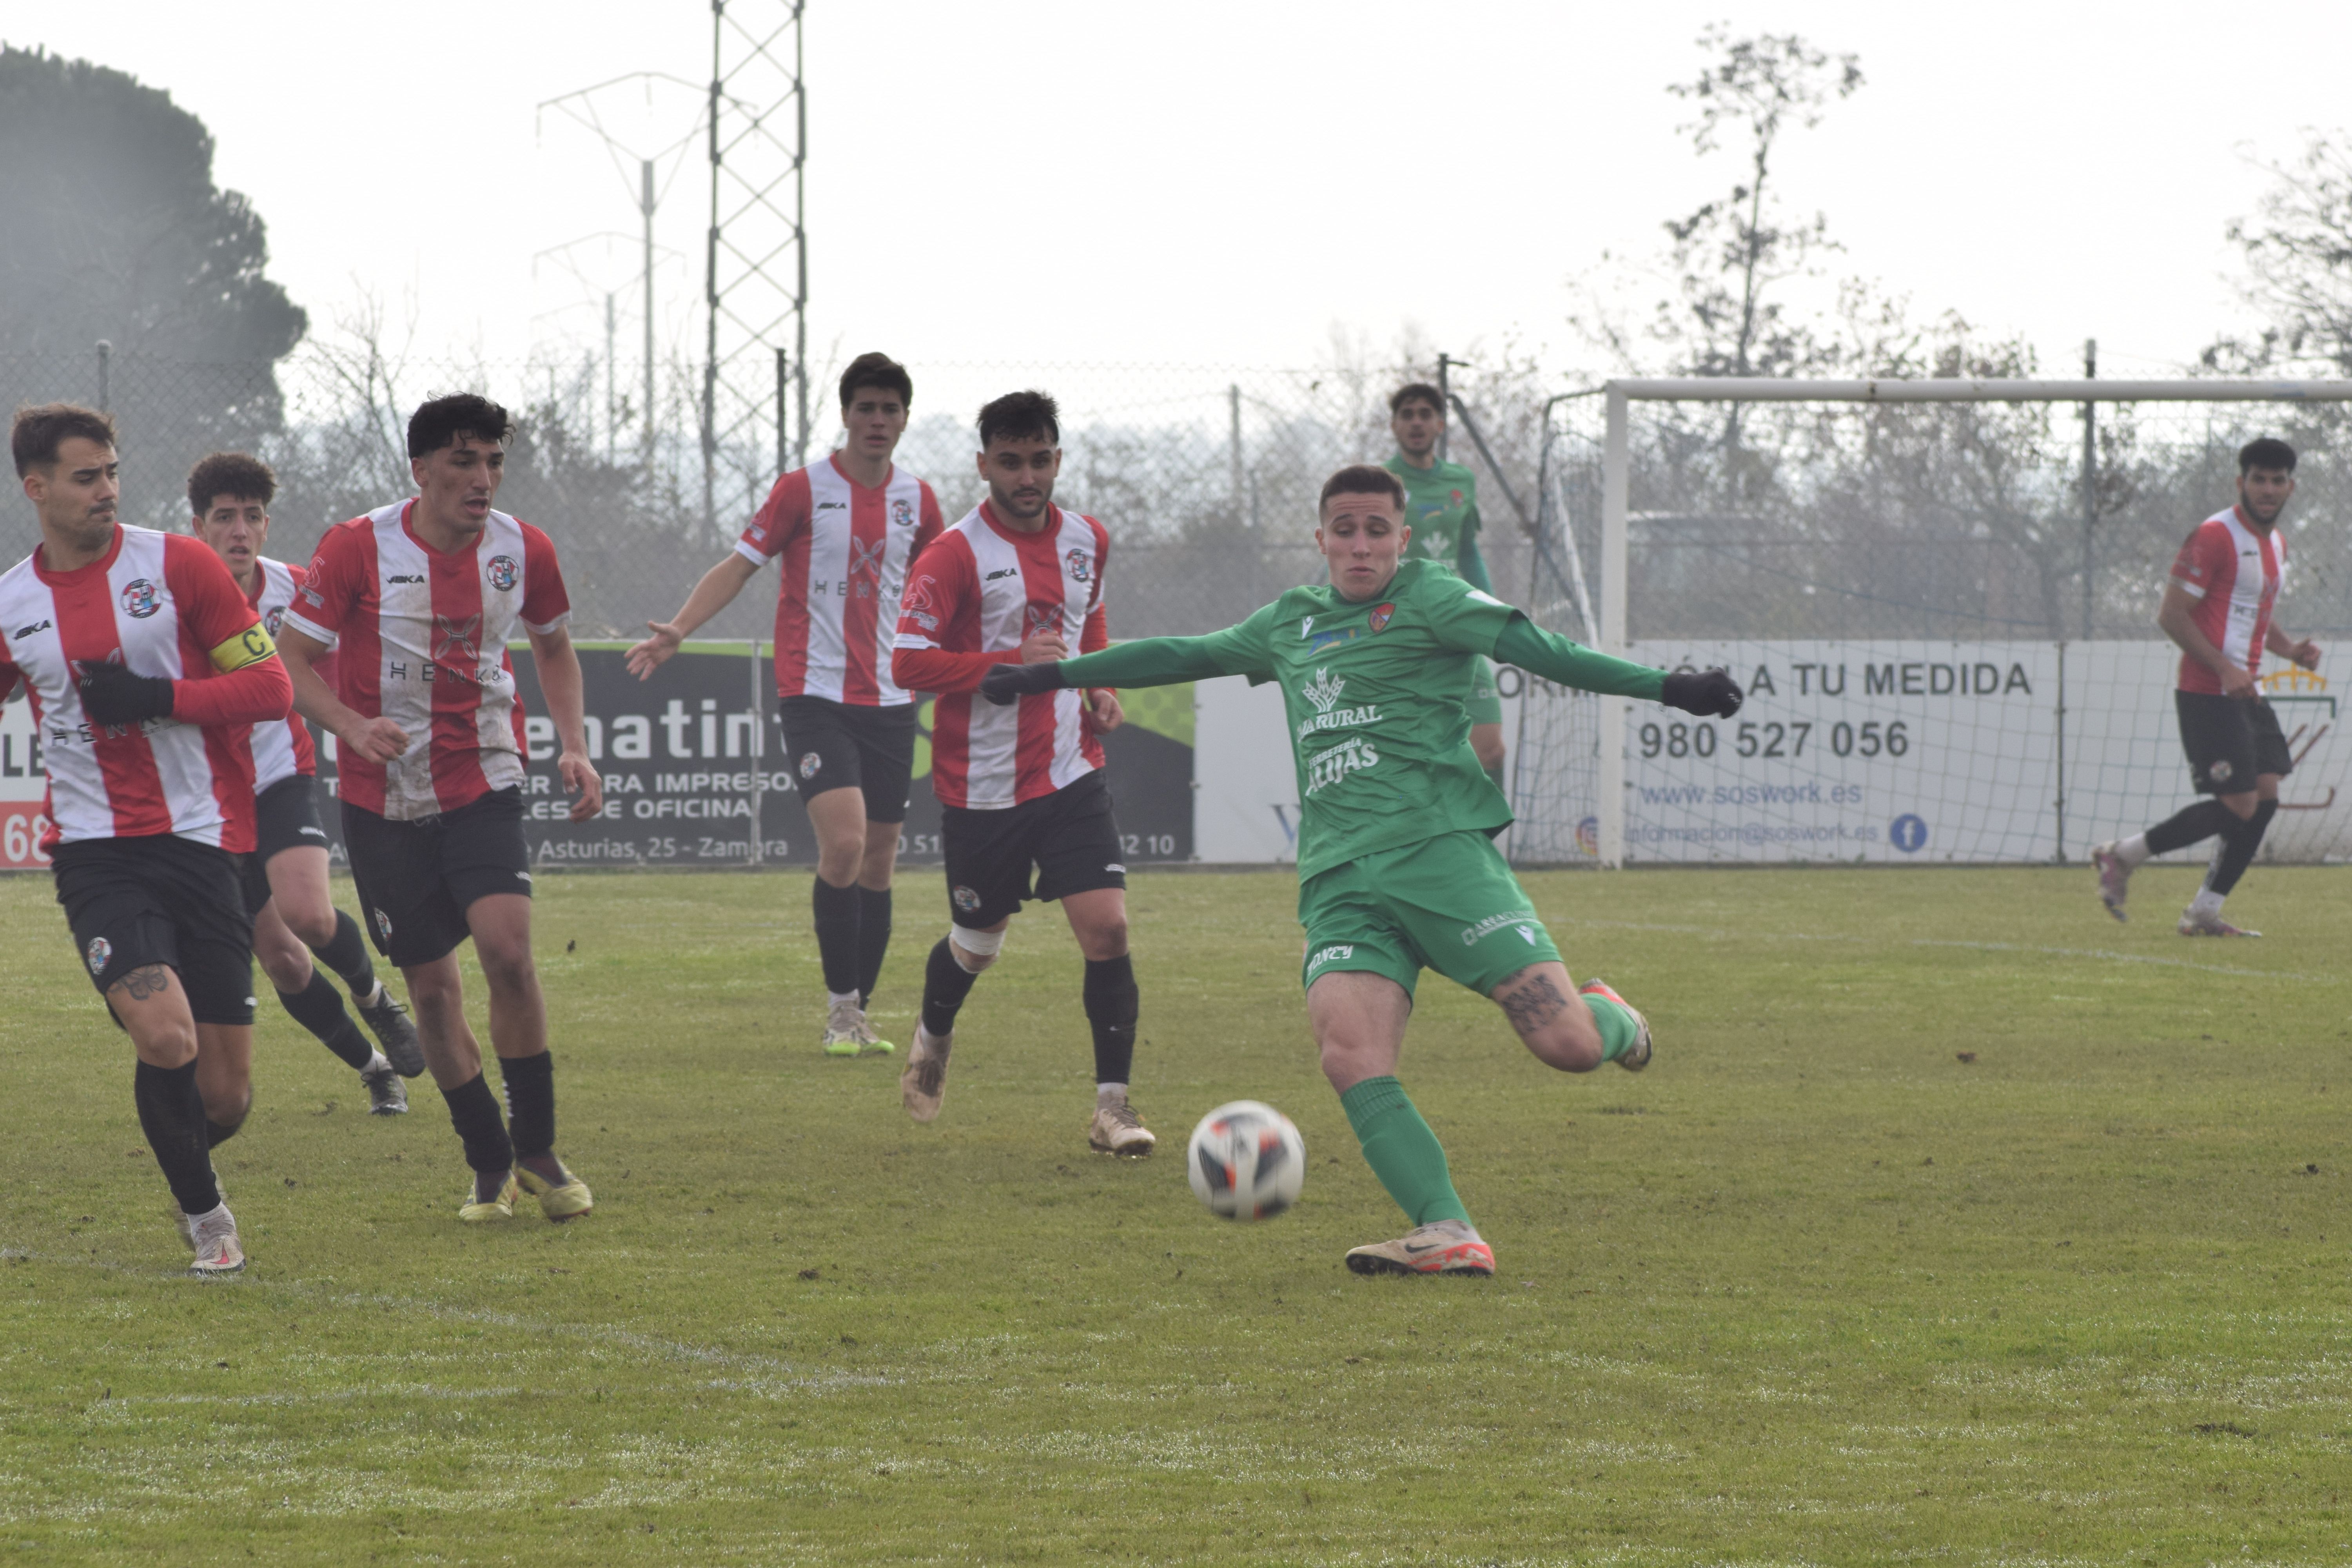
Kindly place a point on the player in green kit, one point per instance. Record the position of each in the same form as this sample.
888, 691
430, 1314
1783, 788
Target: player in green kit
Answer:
1397, 868
1441, 507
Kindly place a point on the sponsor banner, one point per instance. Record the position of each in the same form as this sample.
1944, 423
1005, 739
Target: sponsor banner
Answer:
696, 773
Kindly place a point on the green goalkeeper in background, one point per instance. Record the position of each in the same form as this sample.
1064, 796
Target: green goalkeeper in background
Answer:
1440, 508
1397, 866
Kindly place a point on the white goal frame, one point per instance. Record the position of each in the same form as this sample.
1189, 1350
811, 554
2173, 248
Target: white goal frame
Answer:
1616, 481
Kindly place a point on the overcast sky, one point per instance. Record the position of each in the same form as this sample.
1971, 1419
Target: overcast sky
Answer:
1223, 183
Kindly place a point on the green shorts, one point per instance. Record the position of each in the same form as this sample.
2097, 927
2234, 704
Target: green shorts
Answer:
1486, 704
1448, 903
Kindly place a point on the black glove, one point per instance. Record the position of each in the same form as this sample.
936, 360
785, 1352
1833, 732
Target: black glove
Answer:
112, 695
1004, 683
1709, 693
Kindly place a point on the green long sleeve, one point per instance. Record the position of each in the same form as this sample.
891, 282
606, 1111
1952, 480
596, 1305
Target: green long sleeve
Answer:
1556, 660
1468, 563
1147, 661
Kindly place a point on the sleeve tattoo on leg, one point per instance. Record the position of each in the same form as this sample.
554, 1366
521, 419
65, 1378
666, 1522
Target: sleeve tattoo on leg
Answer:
1532, 1003
147, 980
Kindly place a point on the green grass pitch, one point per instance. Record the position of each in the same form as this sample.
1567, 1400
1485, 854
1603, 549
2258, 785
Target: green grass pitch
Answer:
1953, 1224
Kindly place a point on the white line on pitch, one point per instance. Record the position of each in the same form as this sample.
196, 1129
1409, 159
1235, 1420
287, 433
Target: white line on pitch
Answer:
2102, 954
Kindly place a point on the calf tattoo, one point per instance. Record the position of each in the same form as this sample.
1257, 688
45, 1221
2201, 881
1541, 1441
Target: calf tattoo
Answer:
1532, 1003
147, 980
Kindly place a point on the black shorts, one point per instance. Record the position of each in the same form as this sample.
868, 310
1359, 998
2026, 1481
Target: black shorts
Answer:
286, 817
161, 900
835, 745
2229, 741
416, 879
1069, 836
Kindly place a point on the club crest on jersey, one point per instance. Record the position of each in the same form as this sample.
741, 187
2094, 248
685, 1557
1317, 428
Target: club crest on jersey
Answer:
967, 900
456, 637
1380, 616
273, 620
1081, 568
100, 949
810, 764
503, 572
139, 599
902, 513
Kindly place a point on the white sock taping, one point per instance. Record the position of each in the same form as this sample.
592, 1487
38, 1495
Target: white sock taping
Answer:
2206, 905
980, 944
1110, 1094
2132, 851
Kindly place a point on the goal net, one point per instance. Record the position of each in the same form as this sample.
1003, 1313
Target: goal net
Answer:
1940, 596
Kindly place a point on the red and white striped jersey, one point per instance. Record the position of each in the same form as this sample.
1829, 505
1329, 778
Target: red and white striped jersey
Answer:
983, 589
157, 604
2233, 572
283, 749
846, 549
423, 643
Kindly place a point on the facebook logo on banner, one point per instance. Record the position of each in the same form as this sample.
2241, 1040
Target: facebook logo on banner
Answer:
1908, 834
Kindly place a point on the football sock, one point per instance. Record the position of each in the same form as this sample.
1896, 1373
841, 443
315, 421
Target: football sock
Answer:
1615, 1022
2237, 850
1112, 1004
2132, 851
946, 983
530, 1102
2206, 905
873, 939
219, 1133
1110, 1094
474, 1112
171, 1114
2190, 826
836, 933
1401, 1151
346, 954
319, 1007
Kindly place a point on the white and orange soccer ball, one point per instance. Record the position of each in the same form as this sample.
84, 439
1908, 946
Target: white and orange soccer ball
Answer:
1246, 1160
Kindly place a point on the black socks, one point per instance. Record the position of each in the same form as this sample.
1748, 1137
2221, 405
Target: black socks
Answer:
530, 1102
2192, 824
172, 1113
1112, 1004
2236, 852
346, 954
873, 939
946, 983
319, 1007
474, 1112
837, 910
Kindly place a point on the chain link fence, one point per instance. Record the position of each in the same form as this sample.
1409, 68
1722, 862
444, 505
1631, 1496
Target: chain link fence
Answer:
1206, 476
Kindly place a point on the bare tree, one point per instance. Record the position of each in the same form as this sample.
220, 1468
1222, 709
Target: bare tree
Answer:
2298, 256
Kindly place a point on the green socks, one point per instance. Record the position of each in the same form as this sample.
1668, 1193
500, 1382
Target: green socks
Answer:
1402, 1150
1618, 1030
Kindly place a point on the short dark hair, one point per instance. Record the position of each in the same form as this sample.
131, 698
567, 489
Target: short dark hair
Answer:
1021, 417
879, 371
40, 430
439, 422
1417, 392
1362, 479
2265, 452
237, 475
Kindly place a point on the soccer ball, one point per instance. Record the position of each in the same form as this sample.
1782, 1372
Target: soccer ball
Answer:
1246, 1160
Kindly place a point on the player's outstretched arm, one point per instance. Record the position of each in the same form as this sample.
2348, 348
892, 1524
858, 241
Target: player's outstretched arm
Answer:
1710, 693
713, 594
1147, 661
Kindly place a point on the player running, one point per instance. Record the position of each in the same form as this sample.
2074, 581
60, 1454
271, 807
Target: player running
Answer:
285, 876
1397, 868
846, 529
1018, 580
422, 596
146, 666
2218, 607
1440, 508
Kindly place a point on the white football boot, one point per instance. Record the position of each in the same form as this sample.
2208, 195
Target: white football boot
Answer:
216, 1247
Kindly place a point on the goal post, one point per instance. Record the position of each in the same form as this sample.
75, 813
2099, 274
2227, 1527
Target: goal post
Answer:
1892, 565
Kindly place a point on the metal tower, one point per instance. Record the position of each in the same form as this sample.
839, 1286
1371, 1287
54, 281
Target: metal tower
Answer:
757, 272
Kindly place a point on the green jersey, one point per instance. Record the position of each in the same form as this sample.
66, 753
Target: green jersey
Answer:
1441, 507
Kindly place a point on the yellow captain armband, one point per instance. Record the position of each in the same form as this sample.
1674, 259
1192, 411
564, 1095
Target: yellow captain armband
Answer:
251, 646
